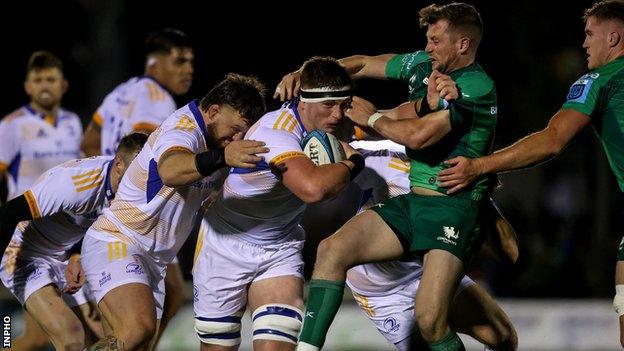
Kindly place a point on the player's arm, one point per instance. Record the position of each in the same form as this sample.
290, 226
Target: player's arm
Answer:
415, 133
92, 137
313, 183
358, 66
179, 166
11, 213
529, 151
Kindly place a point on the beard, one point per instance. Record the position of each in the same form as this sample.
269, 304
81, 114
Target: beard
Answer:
211, 133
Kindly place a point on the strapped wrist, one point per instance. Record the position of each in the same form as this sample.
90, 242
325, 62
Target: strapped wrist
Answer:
210, 161
373, 118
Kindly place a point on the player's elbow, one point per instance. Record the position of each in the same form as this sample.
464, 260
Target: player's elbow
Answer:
415, 141
170, 178
311, 191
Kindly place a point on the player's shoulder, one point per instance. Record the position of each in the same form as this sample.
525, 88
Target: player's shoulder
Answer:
19, 114
283, 119
68, 115
80, 174
475, 82
150, 89
84, 165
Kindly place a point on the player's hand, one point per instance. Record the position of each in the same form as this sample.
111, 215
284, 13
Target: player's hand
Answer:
244, 153
440, 86
360, 110
461, 171
289, 87
74, 275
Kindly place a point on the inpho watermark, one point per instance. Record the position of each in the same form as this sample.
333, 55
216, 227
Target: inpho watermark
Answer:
6, 332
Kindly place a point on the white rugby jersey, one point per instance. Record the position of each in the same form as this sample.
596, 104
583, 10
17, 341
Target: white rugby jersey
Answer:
132, 105
147, 213
64, 202
254, 203
31, 143
386, 175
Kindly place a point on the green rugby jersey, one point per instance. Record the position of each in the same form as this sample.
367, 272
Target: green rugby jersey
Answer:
473, 121
600, 95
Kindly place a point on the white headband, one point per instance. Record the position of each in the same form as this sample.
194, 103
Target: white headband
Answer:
325, 93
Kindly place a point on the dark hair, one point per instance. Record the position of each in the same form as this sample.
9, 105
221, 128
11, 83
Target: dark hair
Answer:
162, 41
43, 59
244, 93
463, 18
130, 145
320, 72
606, 10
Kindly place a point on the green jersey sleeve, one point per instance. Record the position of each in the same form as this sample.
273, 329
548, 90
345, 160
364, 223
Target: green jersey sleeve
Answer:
583, 94
402, 66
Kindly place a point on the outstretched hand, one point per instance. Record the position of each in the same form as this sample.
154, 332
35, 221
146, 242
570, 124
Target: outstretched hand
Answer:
360, 111
74, 275
288, 87
461, 171
243, 153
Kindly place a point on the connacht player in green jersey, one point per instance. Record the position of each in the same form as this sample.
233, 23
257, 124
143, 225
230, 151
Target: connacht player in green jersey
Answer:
428, 225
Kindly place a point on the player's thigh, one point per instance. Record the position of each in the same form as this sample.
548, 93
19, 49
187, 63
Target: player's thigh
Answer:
278, 290
33, 338
51, 312
174, 285
90, 317
129, 306
364, 238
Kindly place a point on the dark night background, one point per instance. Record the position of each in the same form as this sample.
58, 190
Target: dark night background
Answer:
567, 212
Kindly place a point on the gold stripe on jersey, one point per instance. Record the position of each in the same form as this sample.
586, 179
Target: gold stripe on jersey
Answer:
3, 167
155, 92
88, 180
87, 174
198, 246
399, 164
358, 133
32, 204
363, 302
89, 186
186, 123
286, 156
279, 119
140, 222
117, 250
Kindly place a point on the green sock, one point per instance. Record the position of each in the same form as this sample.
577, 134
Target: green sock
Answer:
324, 299
451, 342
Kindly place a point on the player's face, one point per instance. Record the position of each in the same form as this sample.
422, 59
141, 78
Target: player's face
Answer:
177, 70
442, 46
228, 124
596, 42
45, 87
326, 115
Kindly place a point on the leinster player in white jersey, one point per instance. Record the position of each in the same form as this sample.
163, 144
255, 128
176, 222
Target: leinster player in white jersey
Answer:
158, 198
57, 210
249, 250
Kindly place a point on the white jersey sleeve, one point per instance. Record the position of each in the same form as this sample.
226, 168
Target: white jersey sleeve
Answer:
76, 186
177, 133
284, 144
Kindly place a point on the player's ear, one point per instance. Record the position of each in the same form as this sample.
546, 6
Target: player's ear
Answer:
463, 44
614, 39
213, 111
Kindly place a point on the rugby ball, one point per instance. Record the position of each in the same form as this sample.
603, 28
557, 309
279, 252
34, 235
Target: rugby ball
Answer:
322, 148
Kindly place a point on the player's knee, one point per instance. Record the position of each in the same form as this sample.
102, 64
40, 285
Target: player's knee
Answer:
67, 334
139, 333
278, 322
222, 331
330, 253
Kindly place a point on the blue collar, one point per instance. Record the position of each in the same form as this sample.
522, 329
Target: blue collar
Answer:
292, 105
199, 119
107, 185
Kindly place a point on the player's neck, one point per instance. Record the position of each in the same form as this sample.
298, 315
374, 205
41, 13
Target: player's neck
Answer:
53, 112
461, 62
